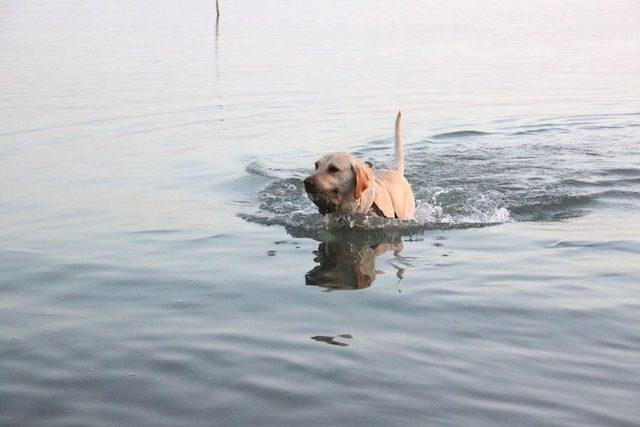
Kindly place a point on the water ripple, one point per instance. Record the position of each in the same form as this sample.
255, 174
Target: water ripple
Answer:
494, 180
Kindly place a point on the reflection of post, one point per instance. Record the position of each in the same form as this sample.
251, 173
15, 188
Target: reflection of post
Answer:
216, 42
217, 11
217, 29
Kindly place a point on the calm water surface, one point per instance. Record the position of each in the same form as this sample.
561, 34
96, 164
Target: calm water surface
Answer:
161, 264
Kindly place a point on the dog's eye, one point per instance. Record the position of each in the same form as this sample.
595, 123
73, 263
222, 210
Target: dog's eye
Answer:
333, 169
316, 165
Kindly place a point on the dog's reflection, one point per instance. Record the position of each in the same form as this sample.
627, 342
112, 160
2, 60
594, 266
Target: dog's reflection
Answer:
347, 266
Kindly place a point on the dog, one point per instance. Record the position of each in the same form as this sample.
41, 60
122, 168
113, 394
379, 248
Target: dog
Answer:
343, 184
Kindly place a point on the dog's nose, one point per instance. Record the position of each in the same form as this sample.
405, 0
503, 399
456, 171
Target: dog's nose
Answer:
309, 182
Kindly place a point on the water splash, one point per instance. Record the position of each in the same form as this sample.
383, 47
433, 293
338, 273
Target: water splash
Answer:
284, 202
458, 183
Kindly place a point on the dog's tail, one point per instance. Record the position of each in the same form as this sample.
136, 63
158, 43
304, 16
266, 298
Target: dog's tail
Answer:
399, 166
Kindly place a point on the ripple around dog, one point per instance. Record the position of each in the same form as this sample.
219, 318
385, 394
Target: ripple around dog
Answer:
458, 184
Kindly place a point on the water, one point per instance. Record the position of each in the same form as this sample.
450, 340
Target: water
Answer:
161, 264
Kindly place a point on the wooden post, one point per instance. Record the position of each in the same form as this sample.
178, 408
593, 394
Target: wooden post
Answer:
217, 10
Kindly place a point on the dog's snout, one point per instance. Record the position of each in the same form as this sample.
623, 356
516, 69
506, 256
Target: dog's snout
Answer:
309, 182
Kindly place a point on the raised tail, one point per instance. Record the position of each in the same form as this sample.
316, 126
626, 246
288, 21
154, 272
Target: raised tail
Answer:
399, 166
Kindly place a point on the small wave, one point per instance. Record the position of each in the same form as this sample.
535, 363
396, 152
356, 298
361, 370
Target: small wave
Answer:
635, 172
552, 206
619, 194
257, 168
460, 134
539, 130
547, 207
600, 127
616, 245
158, 231
609, 183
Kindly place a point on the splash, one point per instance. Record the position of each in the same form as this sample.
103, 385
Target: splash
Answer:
284, 202
476, 179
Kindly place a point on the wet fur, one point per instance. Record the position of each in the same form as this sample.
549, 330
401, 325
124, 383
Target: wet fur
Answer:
344, 184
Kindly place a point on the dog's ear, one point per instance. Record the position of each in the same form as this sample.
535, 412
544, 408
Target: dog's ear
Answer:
362, 177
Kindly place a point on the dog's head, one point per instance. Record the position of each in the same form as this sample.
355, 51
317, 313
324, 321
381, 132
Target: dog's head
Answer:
339, 183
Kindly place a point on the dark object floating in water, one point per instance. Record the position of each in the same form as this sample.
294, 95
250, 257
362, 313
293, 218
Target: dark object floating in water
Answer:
331, 340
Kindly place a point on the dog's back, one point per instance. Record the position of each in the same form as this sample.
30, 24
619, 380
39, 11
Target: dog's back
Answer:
399, 190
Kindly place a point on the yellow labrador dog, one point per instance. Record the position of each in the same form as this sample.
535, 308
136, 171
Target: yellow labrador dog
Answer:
344, 184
